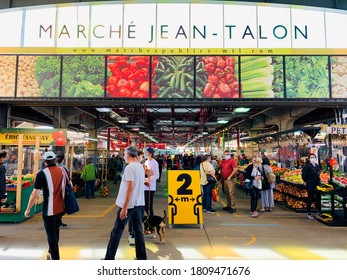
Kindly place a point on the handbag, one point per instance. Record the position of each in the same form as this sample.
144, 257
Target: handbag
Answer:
248, 184
272, 178
70, 201
209, 177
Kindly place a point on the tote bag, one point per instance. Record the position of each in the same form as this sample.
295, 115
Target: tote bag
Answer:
70, 201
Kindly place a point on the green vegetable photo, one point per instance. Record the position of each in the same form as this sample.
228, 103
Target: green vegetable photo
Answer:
307, 77
83, 76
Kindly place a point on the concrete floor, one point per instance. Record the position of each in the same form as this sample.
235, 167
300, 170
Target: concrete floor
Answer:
282, 234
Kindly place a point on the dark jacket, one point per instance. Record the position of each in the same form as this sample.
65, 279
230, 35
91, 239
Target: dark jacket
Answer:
2, 181
310, 175
248, 172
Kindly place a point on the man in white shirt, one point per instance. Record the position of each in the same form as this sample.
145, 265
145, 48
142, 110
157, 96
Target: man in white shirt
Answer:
152, 170
130, 201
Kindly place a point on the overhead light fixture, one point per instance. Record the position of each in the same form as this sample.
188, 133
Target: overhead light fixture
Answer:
103, 110
222, 120
241, 110
123, 120
205, 131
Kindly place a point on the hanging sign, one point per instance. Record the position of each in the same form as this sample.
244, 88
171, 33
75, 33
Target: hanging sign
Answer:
337, 130
185, 198
55, 137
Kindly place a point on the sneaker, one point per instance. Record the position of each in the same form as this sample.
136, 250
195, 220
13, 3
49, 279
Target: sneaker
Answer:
131, 240
48, 257
226, 208
255, 214
310, 217
232, 210
63, 225
262, 210
211, 211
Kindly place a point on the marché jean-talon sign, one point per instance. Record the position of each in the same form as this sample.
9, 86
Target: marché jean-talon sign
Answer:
219, 25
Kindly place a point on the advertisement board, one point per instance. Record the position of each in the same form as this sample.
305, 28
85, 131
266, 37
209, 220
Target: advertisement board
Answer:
203, 28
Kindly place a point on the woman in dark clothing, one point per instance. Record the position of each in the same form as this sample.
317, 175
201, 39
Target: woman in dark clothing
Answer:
3, 194
197, 163
253, 174
310, 175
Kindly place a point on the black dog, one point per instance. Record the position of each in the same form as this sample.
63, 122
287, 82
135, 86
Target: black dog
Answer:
155, 224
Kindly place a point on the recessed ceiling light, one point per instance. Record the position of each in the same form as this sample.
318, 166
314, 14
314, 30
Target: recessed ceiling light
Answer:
222, 121
103, 110
123, 120
241, 110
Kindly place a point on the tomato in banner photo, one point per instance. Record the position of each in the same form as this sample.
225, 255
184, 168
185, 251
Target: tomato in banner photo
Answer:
128, 76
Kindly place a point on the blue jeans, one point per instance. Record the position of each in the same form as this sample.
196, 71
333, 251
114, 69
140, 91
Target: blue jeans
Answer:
52, 224
254, 192
135, 215
207, 196
90, 188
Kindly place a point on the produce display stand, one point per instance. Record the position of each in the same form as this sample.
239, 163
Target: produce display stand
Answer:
334, 204
292, 196
21, 194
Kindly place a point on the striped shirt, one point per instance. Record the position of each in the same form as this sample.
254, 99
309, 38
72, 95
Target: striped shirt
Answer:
50, 180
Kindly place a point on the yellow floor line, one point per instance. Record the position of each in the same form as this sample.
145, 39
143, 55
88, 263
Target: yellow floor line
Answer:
298, 253
101, 215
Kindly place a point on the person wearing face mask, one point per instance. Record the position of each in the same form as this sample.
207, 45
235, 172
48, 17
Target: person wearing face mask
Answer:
253, 174
130, 202
228, 172
310, 176
206, 167
152, 172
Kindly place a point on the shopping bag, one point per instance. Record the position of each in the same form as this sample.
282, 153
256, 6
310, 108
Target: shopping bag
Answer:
215, 195
71, 205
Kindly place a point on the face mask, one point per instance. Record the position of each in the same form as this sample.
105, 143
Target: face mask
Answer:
313, 160
227, 157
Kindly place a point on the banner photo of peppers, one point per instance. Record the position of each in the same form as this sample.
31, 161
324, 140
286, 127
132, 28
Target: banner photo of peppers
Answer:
173, 77
307, 77
128, 76
38, 76
261, 77
7, 75
217, 77
83, 76
338, 76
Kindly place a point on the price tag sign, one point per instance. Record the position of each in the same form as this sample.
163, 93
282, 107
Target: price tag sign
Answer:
185, 198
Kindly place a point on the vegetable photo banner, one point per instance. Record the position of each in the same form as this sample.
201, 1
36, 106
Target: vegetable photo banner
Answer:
204, 28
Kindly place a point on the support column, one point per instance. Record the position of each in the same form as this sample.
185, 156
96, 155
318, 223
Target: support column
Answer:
3, 116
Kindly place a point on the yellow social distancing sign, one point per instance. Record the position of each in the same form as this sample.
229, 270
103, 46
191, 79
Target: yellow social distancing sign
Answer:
185, 198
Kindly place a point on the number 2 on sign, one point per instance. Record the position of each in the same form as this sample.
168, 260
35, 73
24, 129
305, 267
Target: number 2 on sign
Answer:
183, 190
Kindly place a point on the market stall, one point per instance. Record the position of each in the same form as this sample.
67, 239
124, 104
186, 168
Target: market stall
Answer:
25, 147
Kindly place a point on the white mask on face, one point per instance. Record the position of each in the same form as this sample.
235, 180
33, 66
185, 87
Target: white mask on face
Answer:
313, 160
227, 157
